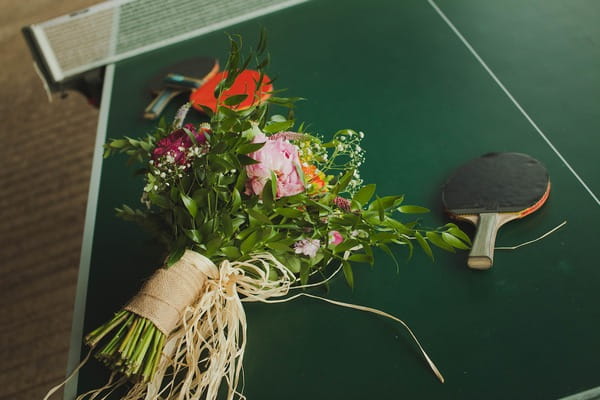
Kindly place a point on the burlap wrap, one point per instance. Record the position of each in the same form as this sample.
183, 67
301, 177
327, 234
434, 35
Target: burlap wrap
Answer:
165, 296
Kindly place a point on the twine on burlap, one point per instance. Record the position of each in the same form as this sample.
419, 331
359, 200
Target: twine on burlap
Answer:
208, 346
199, 307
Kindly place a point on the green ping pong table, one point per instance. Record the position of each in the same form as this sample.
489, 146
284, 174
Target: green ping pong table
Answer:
432, 84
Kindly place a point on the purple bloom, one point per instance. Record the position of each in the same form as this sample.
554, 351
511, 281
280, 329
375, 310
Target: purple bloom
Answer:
178, 141
342, 203
308, 247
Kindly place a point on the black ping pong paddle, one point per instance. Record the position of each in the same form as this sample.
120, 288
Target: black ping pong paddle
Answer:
492, 190
181, 77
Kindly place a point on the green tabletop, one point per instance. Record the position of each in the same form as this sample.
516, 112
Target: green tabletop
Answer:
526, 329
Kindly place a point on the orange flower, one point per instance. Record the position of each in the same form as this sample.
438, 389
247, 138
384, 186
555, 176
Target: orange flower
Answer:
313, 177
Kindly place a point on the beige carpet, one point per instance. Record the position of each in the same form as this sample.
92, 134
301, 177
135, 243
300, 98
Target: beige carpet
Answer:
45, 161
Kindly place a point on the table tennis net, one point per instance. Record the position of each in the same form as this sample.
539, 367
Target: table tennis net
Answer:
119, 29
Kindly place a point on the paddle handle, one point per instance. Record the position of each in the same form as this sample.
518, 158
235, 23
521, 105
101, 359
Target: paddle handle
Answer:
156, 107
482, 252
183, 81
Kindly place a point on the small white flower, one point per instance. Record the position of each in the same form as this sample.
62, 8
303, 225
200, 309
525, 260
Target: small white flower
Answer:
308, 247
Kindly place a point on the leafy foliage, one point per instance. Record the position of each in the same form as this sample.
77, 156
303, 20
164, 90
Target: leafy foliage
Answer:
199, 194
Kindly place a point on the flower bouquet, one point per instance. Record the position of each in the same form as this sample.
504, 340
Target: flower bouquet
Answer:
248, 206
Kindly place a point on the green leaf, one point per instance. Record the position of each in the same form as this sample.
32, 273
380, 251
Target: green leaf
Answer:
231, 252
346, 245
274, 127
194, 235
190, 204
174, 256
273, 181
268, 195
343, 182
245, 160
280, 245
220, 164
413, 209
389, 252
348, 274
364, 194
454, 241
361, 258
227, 225
304, 273
249, 148
380, 209
455, 231
291, 262
160, 201
235, 99
397, 226
206, 110
284, 101
289, 212
118, 143
236, 200
424, 245
384, 236
437, 240
259, 216
248, 243
213, 245
391, 201
345, 220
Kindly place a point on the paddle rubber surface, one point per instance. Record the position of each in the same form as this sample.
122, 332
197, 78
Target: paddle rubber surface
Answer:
496, 182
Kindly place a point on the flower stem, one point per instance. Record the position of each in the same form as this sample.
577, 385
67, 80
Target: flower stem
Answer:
134, 346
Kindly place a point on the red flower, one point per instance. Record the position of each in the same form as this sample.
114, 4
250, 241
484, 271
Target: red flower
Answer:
178, 141
342, 203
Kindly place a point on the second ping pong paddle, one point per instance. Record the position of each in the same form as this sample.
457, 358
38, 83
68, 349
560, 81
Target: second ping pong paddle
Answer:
245, 84
492, 190
178, 78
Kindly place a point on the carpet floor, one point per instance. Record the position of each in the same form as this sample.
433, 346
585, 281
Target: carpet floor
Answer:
45, 160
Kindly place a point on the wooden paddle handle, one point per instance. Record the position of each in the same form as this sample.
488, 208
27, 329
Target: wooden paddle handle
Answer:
156, 107
482, 252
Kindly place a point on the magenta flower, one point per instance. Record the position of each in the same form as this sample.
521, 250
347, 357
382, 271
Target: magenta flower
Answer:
277, 156
342, 203
335, 238
308, 247
178, 141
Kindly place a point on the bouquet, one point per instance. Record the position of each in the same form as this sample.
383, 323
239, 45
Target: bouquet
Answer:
248, 205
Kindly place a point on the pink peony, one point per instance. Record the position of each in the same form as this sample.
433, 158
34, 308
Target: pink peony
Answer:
178, 142
279, 156
335, 238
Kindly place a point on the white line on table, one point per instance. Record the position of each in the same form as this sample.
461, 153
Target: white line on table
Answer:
510, 96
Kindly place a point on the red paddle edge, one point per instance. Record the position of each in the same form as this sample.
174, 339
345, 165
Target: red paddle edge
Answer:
537, 205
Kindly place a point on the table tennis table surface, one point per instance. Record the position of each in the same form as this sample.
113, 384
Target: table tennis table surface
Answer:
431, 85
